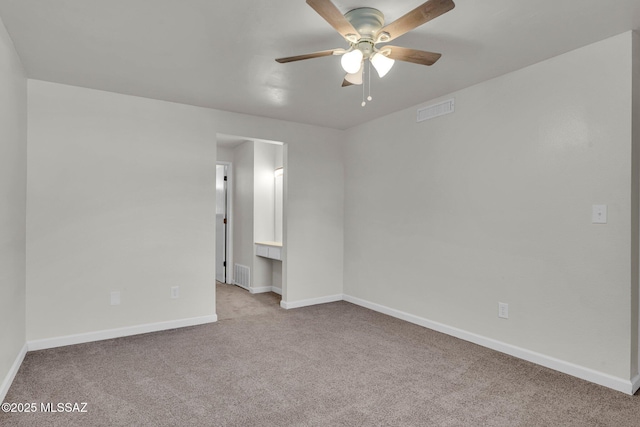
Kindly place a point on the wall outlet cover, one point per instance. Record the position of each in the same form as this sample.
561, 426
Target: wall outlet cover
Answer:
599, 214
115, 297
503, 310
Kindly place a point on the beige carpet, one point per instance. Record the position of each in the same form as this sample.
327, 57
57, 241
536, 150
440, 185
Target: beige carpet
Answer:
233, 302
328, 365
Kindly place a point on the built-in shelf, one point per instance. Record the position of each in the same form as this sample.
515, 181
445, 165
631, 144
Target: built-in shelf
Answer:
271, 250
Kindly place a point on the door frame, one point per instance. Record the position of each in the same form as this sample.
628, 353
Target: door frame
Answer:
229, 243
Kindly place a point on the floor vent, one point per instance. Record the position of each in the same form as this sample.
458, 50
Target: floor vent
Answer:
242, 275
436, 110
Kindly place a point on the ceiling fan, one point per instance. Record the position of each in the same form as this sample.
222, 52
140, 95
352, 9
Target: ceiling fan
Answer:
363, 28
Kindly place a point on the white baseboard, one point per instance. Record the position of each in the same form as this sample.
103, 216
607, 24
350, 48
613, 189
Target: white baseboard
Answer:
264, 289
606, 380
119, 332
312, 301
8, 379
635, 384
246, 288
260, 289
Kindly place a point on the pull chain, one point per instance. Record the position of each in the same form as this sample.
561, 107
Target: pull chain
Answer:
369, 98
368, 75
363, 101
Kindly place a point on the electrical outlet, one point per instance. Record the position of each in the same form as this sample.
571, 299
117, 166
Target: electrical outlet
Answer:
115, 297
175, 292
503, 310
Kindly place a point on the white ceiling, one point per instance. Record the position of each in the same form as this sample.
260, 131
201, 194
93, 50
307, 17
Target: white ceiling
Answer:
220, 54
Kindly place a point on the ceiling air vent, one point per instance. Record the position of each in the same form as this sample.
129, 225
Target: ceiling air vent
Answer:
436, 110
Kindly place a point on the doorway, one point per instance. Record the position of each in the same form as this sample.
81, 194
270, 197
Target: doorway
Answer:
254, 208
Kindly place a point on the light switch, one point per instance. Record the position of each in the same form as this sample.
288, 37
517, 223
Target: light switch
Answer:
599, 214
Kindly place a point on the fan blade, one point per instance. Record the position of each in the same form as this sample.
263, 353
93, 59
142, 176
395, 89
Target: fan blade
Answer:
412, 55
332, 15
418, 16
310, 55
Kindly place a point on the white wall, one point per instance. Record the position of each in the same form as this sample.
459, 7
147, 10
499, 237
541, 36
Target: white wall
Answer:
121, 196
278, 194
224, 154
263, 207
264, 191
276, 266
242, 187
13, 170
445, 218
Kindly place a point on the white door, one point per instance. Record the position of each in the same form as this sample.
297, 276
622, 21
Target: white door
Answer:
221, 223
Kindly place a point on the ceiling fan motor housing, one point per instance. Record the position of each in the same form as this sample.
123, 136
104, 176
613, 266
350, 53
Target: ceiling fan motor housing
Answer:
367, 21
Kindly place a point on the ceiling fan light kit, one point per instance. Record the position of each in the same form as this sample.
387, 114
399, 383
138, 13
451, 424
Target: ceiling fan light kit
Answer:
363, 28
352, 61
381, 63
354, 78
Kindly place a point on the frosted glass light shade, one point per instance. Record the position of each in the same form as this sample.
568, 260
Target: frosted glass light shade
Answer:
355, 78
382, 64
351, 61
